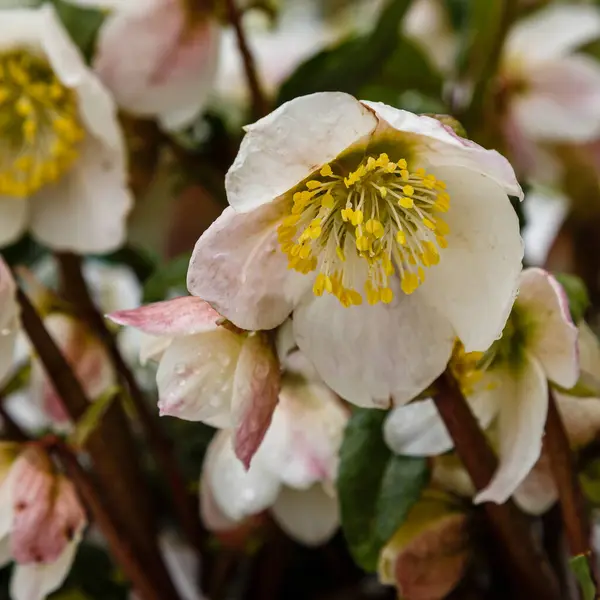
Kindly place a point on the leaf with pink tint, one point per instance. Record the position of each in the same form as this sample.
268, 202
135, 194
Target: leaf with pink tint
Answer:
47, 512
255, 395
181, 316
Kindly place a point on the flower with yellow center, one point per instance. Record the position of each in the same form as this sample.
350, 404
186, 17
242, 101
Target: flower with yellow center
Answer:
507, 387
62, 164
384, 233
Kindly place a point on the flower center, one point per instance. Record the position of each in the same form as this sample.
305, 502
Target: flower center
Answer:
466, 368
39, 124
359, 230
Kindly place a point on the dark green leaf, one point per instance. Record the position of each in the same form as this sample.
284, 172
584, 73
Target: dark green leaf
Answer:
577, 294
376, 489
353, 63
581, 568
81, 23
168, 277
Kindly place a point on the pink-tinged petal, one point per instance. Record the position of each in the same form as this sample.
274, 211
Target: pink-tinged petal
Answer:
551, 34
47, 512
309, 516
9, 319
428, 556
181, 316
14, 213
581, 417
155, 62
522, 397
37, 581
561, 102
302, 445
438, 145
255, 395
550, 333
238, 492
286, 146
153, 347
417, 429
85, 211
195, 377
370, 355
475, 283
538, 491
238, 267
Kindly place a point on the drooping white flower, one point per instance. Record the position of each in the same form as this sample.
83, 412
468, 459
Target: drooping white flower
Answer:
351, 196
552, 92
9, 319
293, 471
538, 344
158, 58
62, 162
41, 522
207, 372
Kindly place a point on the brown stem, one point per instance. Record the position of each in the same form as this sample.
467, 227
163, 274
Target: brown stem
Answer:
572, 505
260, 106
107, 522
75, 286
111, 448
532, 574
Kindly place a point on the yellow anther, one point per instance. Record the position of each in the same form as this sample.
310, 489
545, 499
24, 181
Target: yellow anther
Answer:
408, 190
340, 254
409, 283
386, 294
375, 228
327, 201
357, 218
315, 232
442, 241
405, 175
402, 164
406, 202
363, 243
429, 224
401, 237
291, 220
326, 171
313, 185
346, 214
442, 227
388, 266
304, 252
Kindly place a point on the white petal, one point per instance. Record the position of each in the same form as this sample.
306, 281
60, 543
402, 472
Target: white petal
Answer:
437, 144
195, 377
551, 33
523, 405
255, 394
308, 516
285, 147
21, 27
180, 316
589, 349
114, 286
183, 565
538, 491
417, 429
9, 321
36, 581
153, 347
302, 444
562, 101
14, 213
550, 334
238, 492
373, 355
238, 268
85, 211
157, 65
475, 282
581, 417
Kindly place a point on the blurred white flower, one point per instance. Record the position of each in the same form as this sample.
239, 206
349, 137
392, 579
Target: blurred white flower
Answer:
293, 471
336, 201
159, 58
9, 320
63, 172
207, 372
538, 344
552, 92
41, 524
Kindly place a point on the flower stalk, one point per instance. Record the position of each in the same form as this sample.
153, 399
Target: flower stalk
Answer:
533, 577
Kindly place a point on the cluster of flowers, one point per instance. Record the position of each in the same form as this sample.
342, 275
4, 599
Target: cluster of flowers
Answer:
366, 251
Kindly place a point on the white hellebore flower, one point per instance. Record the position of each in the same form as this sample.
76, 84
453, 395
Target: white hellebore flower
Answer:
336, 214
207, 372
539, 343
293, 472
9, 319
553, 94
159, 58
62, 161
41, 522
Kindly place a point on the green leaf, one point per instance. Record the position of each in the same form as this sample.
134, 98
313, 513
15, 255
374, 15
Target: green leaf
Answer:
577, 294
353, 63
581, 569
168, 277
376, 488
81, 23
92, 417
